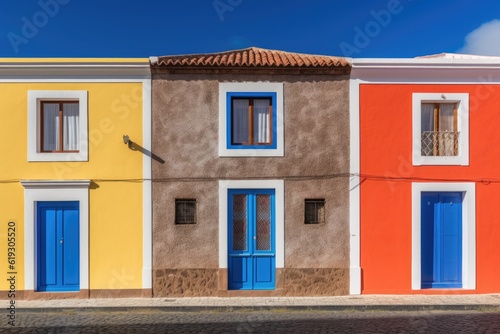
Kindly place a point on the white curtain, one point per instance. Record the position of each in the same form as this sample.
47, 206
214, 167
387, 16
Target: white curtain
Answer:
427, 128
427, 115
446, 117
50, 127
446, 134
71, 123
261, 121
240, 121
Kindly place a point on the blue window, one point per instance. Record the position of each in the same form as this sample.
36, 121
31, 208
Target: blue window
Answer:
251, 120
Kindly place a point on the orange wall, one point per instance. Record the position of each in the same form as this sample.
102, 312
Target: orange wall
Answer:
386, 147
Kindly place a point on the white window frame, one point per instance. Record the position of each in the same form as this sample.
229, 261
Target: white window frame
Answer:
250, 87
462, 159
34, 124
468, 189
52, 190
279, 188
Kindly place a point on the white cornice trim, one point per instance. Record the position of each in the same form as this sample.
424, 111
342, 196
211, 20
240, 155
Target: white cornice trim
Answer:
427, 70
418, 62
84, 70
31, 184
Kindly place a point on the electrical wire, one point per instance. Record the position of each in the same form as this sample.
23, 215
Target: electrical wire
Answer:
362, 177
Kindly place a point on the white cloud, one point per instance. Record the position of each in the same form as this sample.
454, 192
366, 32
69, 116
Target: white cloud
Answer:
483, 40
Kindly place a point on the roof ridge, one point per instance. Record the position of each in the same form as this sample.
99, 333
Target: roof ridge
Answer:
209, 53
250, 48
253, 57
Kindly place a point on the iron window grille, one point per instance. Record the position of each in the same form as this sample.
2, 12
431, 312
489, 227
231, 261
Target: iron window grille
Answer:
185, 211
314, 211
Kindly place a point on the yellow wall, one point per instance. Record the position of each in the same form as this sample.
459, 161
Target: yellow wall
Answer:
115, 217
11, 210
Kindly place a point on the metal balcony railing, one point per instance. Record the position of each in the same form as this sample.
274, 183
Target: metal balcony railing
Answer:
440, 143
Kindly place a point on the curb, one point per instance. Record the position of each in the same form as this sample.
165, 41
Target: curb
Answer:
333, 308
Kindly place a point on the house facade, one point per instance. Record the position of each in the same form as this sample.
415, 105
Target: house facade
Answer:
423, 149
250, 172
251, 175
75, 200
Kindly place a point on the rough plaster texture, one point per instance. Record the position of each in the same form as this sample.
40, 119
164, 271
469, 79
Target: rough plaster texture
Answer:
185, 128
185, 246
317, 245
315, 165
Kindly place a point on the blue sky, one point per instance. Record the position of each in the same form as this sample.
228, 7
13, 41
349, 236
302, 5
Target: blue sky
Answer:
355, 28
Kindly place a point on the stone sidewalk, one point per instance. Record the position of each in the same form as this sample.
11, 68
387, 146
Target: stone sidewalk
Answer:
355, 302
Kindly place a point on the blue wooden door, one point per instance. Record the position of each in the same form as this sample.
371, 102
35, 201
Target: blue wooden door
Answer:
251, 263
441, 240
58, 245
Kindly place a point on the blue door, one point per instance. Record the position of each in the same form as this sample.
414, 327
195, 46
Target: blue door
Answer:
58, 244
251, 263
441, 239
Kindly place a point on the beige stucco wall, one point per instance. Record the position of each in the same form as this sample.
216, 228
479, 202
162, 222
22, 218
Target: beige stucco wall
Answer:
185, 246
315, 165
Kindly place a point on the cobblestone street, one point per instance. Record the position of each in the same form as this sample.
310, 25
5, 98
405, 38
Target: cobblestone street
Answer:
271, 321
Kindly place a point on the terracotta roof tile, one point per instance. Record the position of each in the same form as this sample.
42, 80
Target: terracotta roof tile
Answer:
253, 57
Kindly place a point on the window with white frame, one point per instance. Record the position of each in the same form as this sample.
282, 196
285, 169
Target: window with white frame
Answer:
251, 119
440, 129
57, 126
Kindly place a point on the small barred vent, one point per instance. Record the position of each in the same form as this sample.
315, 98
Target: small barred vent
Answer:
185, 211
314, 211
